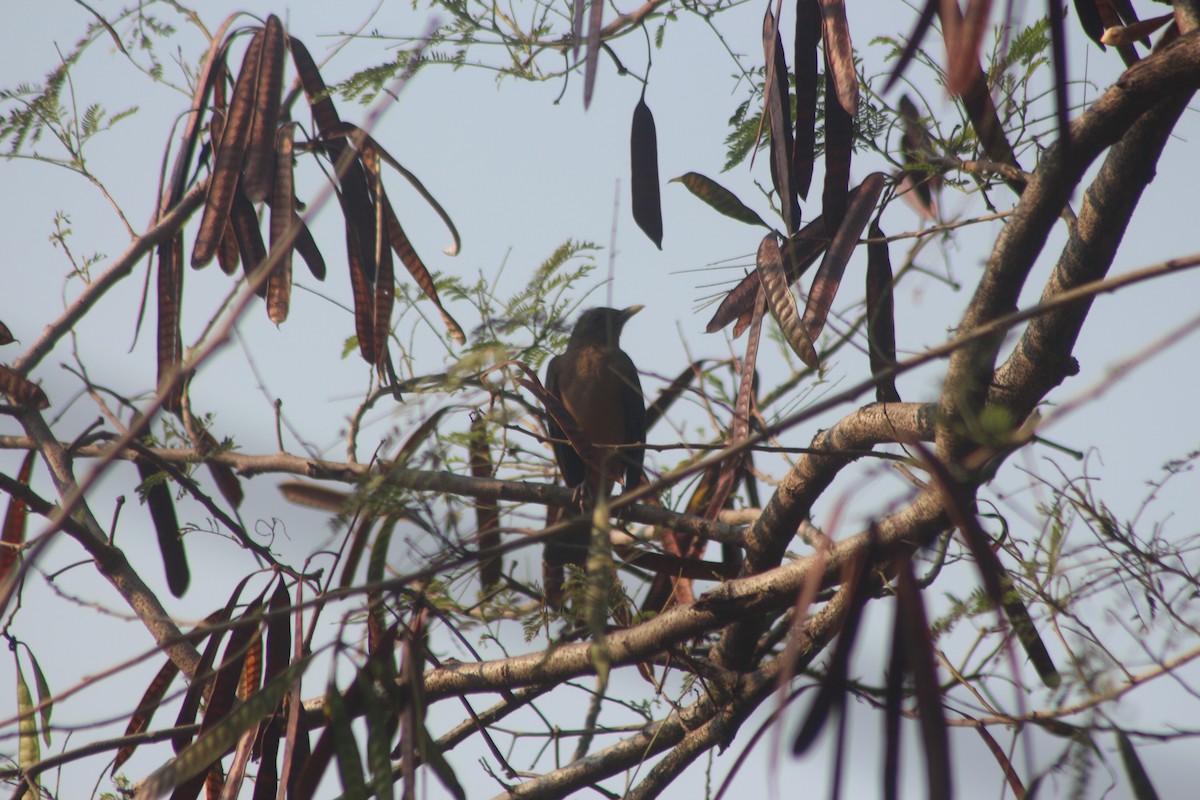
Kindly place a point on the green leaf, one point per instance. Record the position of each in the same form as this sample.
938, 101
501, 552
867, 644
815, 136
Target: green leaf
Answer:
432, 756
28, 751
379, 737
45, 698
344, 745
379, 550
719, 198
1031, 43
378, 741
1139, 781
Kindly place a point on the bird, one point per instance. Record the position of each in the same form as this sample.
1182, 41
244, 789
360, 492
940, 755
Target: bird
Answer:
597, 382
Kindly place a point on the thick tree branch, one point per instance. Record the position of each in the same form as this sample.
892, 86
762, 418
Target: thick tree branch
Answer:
755, 595
1041, 359
711, 719
1173, 69
768, 538
858, 432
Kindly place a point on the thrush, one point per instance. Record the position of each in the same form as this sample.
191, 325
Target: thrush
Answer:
596, 381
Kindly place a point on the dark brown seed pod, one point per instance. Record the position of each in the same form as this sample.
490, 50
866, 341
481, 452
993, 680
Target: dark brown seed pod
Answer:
643, 158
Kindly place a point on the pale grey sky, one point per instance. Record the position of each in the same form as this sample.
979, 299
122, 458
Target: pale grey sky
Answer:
520, 174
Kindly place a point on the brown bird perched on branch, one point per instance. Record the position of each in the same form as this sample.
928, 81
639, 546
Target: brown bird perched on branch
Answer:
596, 381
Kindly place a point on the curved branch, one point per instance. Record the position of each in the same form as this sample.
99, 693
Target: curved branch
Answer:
858, 433
1041, 359
768, 538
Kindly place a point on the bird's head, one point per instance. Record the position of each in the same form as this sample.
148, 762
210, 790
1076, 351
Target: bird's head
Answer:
602, 325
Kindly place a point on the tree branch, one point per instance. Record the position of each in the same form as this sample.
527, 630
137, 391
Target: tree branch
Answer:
110, 561
415, 479
1174, 68
768, 538
733, 600
713, 718
1041, 359
119, 269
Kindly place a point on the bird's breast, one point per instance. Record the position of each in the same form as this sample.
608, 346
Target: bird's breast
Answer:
593, 391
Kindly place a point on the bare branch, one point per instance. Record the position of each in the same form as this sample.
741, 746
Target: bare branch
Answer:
119, 269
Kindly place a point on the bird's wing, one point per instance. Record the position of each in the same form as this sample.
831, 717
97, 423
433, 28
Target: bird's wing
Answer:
569, 462
633, 404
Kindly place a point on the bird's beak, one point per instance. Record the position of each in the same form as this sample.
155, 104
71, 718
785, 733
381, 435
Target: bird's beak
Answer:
629, 312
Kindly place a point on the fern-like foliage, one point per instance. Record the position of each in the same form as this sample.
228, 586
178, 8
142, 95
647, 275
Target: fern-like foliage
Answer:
34, 109
870, 125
